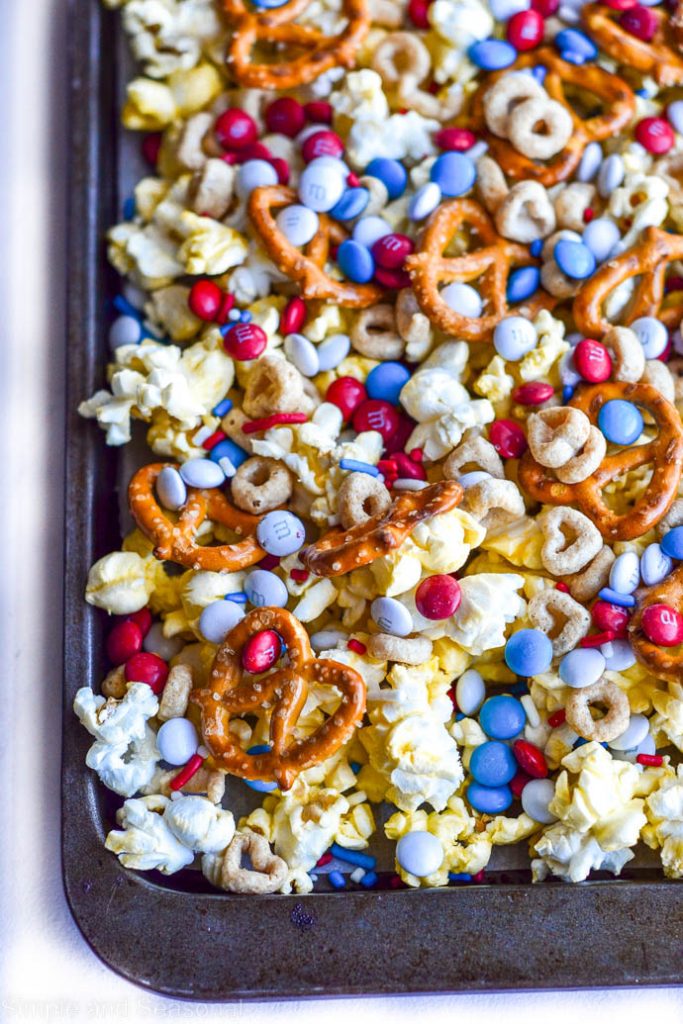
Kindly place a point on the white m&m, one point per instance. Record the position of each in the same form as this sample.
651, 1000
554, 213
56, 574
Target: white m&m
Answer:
177, 740
624, 575
391, 616
298, 224
513, 337
280, 533
321, 186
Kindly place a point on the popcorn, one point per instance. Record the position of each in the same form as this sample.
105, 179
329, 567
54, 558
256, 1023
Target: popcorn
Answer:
489, 603
151, 105
664, 831
120, 583
166, 35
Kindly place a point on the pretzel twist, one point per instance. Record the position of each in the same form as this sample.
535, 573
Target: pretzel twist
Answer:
657, 57
300, 52
492, 263
231, 692
618, 102
648, 260
306, 267
175, 541
339, 551
663, 662
665, 453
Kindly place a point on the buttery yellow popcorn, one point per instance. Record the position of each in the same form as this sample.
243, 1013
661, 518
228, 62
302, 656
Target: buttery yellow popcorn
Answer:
151, 106
495, 383
167, 35
209, 247
667, 723
542, 360
664, 831
520, 543
120, 582
464, 849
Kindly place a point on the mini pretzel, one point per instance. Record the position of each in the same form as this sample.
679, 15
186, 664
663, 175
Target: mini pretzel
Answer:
663, 662
657, 57
300, 52
175, 541
617, 99
492, 263
665, 453
231, 692
579, 718
339, 551
648, 260
268, 872
307, 267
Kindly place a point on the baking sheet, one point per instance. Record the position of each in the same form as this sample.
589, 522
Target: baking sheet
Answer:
180, 936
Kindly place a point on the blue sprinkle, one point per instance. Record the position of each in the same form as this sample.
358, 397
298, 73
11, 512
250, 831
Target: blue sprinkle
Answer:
369, 879
459, 717
355, 766
614, 597
129, 209
361, 860
581, 742
642, 93
539, 73
228, 449
236, 598
567, 393
337, 880
222, 408
358, 467
536, 248
245, 316
122, 305
459, 876
257, 784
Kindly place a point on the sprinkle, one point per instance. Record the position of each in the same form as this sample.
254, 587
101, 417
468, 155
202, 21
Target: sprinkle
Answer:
356, 646
323, 860
567, 392
416, 454
396, 882
122, 305
369, 879
357, 876
533, 717
299, 575
650, 760
562, 587
233, 315
588, 215
213, 439
245, 316
227, 466
337, 880
459, 717
353, 466
597, 639
202, 435
186, 773
222, 408
254, 426
237, 598
129, 209
614, 597
361, 860
557, 718
355, 766
459, 876
479, 877
410, 485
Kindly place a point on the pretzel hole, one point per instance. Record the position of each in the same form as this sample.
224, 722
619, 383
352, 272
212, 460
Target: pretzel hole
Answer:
584, 104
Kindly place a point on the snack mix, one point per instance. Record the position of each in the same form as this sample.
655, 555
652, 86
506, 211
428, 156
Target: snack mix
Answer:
400, 312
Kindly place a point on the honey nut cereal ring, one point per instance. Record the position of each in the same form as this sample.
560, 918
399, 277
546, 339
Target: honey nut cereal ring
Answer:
616, 100
494, 503
175, 541
664, 453
230, 692
585, 462
403, 61
339, 551
413, 650
301, 53
489, 265
571, 540
656, 56
663, 662
261, 485
560, 617
602, 730
267, 874
361, 497
555, 133
305, 267
373, 333
647, 261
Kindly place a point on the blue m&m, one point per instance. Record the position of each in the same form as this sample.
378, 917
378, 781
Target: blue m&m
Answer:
528, 652
391, 173
672, 543
257, 784
351, 204
574, 259
454, 173
489, 799
355, 261
386, 381
575, 47
502, 717
492, 54
493, 764
621, 422
522, 283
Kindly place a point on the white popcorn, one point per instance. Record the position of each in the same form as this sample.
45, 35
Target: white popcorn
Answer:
120, 583
316, 599
167, 35
489, 603
146, 841
199, 824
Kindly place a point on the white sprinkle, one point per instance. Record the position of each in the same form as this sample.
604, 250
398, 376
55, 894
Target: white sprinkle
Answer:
532, 715
227, 466
410, 485
202, 434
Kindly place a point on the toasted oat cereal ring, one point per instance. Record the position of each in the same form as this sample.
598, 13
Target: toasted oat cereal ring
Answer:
494, 503
261, 485
664, 453
283, 692
556, 434
571, 540
490, 266
361, 497
300, 53
560, 617
663, 662
374, 333
526, 213
175, 540
267, 874
408, 650
656, 56
401, 55
602, 730
340, 551
474, 453
616, 100
274, 385
584, 585
648, 261
540, 128
586, 461
506, 94
306, 267
629, 355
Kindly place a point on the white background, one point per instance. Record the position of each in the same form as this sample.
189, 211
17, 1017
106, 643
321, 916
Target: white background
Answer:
47, 972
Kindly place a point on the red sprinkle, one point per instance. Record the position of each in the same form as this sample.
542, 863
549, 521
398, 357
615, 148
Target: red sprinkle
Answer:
525, 29
530, 759
592, 361
507, 437
588, 215
650, 760
234, 129
597, 639
286, 116
673, 284
557, 718
640, 22
299, 575
479, 877
318, 112
214, 439
458, 139
322, 143
620, 5
356, 646
655, 134
417, 12
563, 587
186, 773
535, 393
324, 859
278, 418
416, 454
269, 562
352, 180
396, 882
293, 316
347, 394
406, 468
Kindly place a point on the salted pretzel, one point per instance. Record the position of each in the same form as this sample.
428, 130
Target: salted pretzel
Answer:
663, 662
307, 267
175, 541
231, 692
656, 57
339, 551
665, 453
648, 261
296, 54
492, 262
618, 104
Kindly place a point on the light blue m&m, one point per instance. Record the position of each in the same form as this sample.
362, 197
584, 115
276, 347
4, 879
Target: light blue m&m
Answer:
355, 261
574, 259
492, 54
493, 764
672, 543
351, 204
528, 652
489, 799
386, 381
454, 173
575, 47
265, 590
621, 422
391, 173
522, 283
502, 717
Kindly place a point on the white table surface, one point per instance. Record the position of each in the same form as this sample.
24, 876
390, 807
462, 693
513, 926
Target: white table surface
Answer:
47, 973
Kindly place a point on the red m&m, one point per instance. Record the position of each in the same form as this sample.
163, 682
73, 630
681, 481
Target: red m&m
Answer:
347, 394
417, 12
286, 116
525, 29
147, 668
592, 361
390, 251
508, 438
261, 651
530, 759
293, 316
640, 22
610, 617
663, 625
322, 143
458, 139
534, 393
235, 129
375, 414
655, 134
438, 597
124, 641
208, 302
245, 341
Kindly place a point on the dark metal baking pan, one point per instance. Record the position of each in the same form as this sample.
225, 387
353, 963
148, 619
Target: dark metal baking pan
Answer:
176, 936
